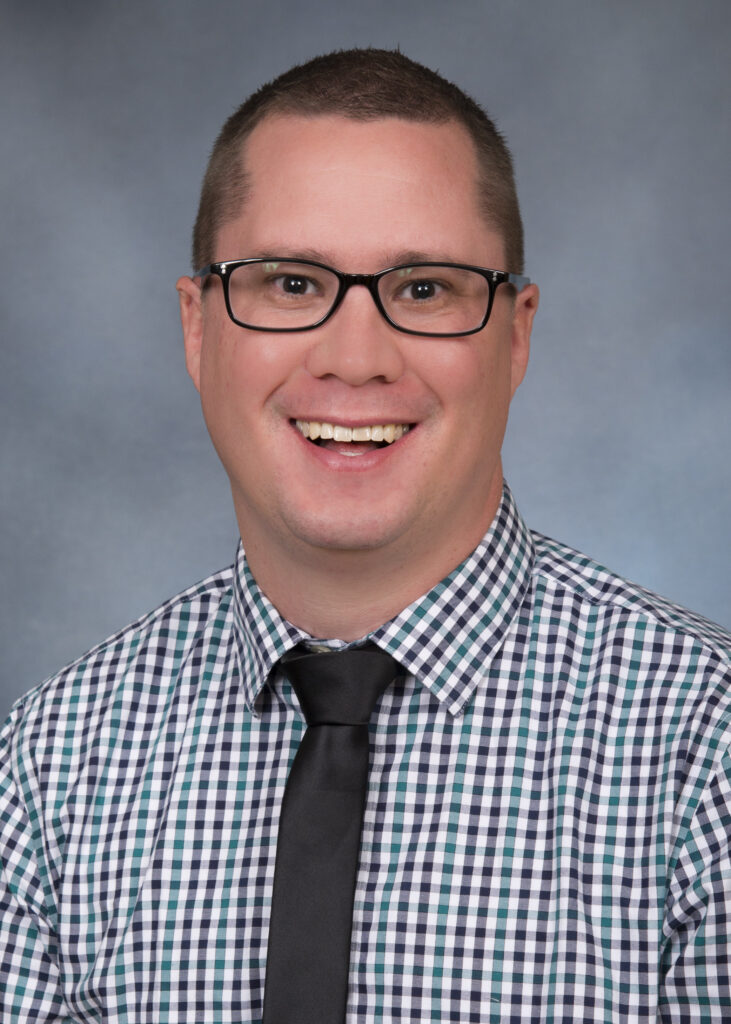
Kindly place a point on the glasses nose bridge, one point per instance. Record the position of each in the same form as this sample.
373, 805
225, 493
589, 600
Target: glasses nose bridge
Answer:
369, 281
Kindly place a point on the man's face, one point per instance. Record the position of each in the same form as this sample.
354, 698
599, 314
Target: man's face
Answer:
359, 196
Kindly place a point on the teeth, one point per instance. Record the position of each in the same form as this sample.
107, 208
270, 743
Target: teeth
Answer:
388, 432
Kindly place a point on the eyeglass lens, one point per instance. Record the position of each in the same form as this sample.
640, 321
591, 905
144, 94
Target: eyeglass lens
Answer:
428, 299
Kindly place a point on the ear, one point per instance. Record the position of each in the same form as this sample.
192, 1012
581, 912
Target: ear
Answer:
191, 316
524, 309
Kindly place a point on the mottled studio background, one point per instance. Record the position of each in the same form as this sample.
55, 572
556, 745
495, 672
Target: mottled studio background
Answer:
618, 116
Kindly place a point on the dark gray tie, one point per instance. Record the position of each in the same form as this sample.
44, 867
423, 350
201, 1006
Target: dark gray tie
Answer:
308, 955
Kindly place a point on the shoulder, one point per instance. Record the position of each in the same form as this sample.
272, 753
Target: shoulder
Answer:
652, 678
142, 654
576, 585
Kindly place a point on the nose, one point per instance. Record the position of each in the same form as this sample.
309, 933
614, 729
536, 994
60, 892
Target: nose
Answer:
356, 345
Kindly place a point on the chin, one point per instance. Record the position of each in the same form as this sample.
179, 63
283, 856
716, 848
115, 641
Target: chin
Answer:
367, 534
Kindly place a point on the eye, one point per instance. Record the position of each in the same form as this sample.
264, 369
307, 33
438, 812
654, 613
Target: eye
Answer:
295, 284
422, 290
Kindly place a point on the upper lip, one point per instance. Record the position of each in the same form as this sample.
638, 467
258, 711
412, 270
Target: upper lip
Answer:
350, 421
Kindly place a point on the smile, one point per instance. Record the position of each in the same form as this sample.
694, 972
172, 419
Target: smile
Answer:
381, 433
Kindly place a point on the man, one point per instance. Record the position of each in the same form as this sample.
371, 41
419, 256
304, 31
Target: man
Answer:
546, 827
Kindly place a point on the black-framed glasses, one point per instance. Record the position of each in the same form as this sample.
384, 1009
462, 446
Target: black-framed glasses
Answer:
434, 300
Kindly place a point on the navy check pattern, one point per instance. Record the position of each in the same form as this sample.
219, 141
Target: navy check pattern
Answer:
546, 836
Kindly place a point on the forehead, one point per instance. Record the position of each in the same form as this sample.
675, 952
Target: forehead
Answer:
333, 137
334, 184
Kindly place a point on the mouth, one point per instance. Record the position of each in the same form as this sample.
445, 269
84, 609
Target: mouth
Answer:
365, 438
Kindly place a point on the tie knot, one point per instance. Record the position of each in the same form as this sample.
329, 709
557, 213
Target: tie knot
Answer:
339, 687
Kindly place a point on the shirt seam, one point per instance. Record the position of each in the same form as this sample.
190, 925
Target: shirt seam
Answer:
627, 603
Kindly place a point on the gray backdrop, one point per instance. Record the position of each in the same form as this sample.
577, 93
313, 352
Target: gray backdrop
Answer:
617, 113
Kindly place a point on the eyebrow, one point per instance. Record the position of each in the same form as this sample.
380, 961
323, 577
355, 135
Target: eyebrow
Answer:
391, 258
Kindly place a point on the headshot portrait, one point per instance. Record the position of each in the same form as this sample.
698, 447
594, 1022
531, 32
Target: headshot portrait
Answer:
366, 458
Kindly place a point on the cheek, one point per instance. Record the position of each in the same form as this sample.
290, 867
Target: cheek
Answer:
471, 377
217, 381
224, 392
230, 366
240, 372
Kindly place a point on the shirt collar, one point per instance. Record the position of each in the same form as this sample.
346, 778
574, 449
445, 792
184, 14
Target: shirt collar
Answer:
446, 638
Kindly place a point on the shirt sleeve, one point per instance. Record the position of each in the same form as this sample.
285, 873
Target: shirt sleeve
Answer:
31, 988
695, 982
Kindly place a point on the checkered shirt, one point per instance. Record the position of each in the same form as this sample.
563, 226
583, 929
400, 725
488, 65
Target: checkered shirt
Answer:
546, 836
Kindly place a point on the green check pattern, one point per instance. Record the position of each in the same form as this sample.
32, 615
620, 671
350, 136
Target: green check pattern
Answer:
546, 836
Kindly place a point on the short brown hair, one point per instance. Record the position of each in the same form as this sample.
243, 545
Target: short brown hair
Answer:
363, 84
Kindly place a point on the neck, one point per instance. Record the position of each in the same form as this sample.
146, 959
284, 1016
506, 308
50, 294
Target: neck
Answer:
341, 598
344, 595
